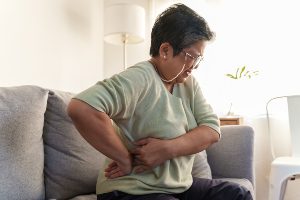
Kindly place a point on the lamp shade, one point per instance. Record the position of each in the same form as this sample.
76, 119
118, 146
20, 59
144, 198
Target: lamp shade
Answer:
124, 23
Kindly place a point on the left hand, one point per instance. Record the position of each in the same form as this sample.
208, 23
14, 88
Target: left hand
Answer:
149, 153
117, 169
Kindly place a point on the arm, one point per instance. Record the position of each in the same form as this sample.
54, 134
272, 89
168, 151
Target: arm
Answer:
114, 98
196, 140
96, 128
152, 152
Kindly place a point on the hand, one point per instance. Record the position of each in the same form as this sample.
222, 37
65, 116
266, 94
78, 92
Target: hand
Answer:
115, 169
149, 153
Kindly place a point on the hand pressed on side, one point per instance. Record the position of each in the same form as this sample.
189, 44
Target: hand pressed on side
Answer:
149, 153
117, 169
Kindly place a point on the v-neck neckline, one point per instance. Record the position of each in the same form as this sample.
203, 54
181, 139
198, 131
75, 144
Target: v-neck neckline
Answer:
175, 86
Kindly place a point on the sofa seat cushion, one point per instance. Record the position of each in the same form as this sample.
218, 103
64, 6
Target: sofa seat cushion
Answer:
243, 182
71, 164
21, 146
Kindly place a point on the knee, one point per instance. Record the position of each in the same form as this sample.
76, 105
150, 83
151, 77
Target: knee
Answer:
240, 192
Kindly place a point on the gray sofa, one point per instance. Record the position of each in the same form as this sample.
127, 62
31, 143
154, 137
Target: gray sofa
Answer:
42, 156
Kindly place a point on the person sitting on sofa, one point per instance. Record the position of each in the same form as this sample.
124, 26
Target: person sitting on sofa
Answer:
162, 117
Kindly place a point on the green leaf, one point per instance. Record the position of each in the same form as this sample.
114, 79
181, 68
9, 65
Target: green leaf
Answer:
231, 76
247, 72
243, 69
236, 73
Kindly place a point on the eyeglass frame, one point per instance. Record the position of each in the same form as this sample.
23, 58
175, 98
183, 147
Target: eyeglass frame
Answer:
196, 60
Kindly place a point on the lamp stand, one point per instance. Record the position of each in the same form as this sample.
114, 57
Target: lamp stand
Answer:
125, 40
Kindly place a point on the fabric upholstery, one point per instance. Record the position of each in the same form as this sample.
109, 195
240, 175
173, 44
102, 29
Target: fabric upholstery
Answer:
66, 166
243, 182
234, 152
71, 164
21, 146
201, 168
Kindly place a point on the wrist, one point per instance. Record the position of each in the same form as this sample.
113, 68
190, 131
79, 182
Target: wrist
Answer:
171, 149
125, 159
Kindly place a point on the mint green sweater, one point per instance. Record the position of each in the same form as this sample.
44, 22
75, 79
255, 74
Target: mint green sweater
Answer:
140, 105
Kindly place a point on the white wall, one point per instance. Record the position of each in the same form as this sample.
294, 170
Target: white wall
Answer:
51, 43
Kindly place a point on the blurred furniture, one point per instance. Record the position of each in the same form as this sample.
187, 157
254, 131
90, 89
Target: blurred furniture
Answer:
43, 156
231, 120
283, 117
232, 157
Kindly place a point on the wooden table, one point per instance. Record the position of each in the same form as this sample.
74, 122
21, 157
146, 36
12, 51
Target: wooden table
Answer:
230, 120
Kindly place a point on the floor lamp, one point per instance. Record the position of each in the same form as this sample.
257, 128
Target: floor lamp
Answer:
124, 24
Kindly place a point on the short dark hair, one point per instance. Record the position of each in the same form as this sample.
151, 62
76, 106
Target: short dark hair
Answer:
180, 26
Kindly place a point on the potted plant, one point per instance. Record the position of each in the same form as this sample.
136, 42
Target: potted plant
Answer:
241, 73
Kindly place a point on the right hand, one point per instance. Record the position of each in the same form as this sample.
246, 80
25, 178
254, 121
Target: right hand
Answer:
149, 153
118, 169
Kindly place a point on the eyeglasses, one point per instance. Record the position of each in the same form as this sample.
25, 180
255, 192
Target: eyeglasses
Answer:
196, 60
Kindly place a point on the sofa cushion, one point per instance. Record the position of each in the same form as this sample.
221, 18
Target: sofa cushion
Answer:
22, 111
71, 164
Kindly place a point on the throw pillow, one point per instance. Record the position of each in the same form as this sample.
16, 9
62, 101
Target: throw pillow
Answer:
22, 111
71, 164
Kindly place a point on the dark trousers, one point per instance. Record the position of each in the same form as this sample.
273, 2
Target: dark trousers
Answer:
201, 189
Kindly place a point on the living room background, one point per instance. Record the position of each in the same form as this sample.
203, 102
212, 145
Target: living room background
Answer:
59, 44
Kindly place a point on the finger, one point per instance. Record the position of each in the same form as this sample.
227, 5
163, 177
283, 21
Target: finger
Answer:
137, 162
112, 172
142, 142
140, 169
112, 164
136, 151
116, 175
111, 167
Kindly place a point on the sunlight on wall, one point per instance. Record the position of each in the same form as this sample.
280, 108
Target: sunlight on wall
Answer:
262, 35
52, 44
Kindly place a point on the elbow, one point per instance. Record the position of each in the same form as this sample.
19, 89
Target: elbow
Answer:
73, 109
215, 137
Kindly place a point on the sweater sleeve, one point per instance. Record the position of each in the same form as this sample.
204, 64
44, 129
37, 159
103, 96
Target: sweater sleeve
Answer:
118, 95
203, 111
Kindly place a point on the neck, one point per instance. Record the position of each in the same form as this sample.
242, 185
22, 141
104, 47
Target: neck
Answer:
161, 76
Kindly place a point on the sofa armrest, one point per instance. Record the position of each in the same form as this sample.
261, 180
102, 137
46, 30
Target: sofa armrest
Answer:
232, 156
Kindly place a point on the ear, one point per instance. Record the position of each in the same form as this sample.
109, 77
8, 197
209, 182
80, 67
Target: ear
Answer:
165, 50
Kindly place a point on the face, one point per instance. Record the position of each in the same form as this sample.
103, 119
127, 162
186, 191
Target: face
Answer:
190, 58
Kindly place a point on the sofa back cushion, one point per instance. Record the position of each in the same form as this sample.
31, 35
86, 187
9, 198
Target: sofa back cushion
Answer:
21, 146
71, 164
